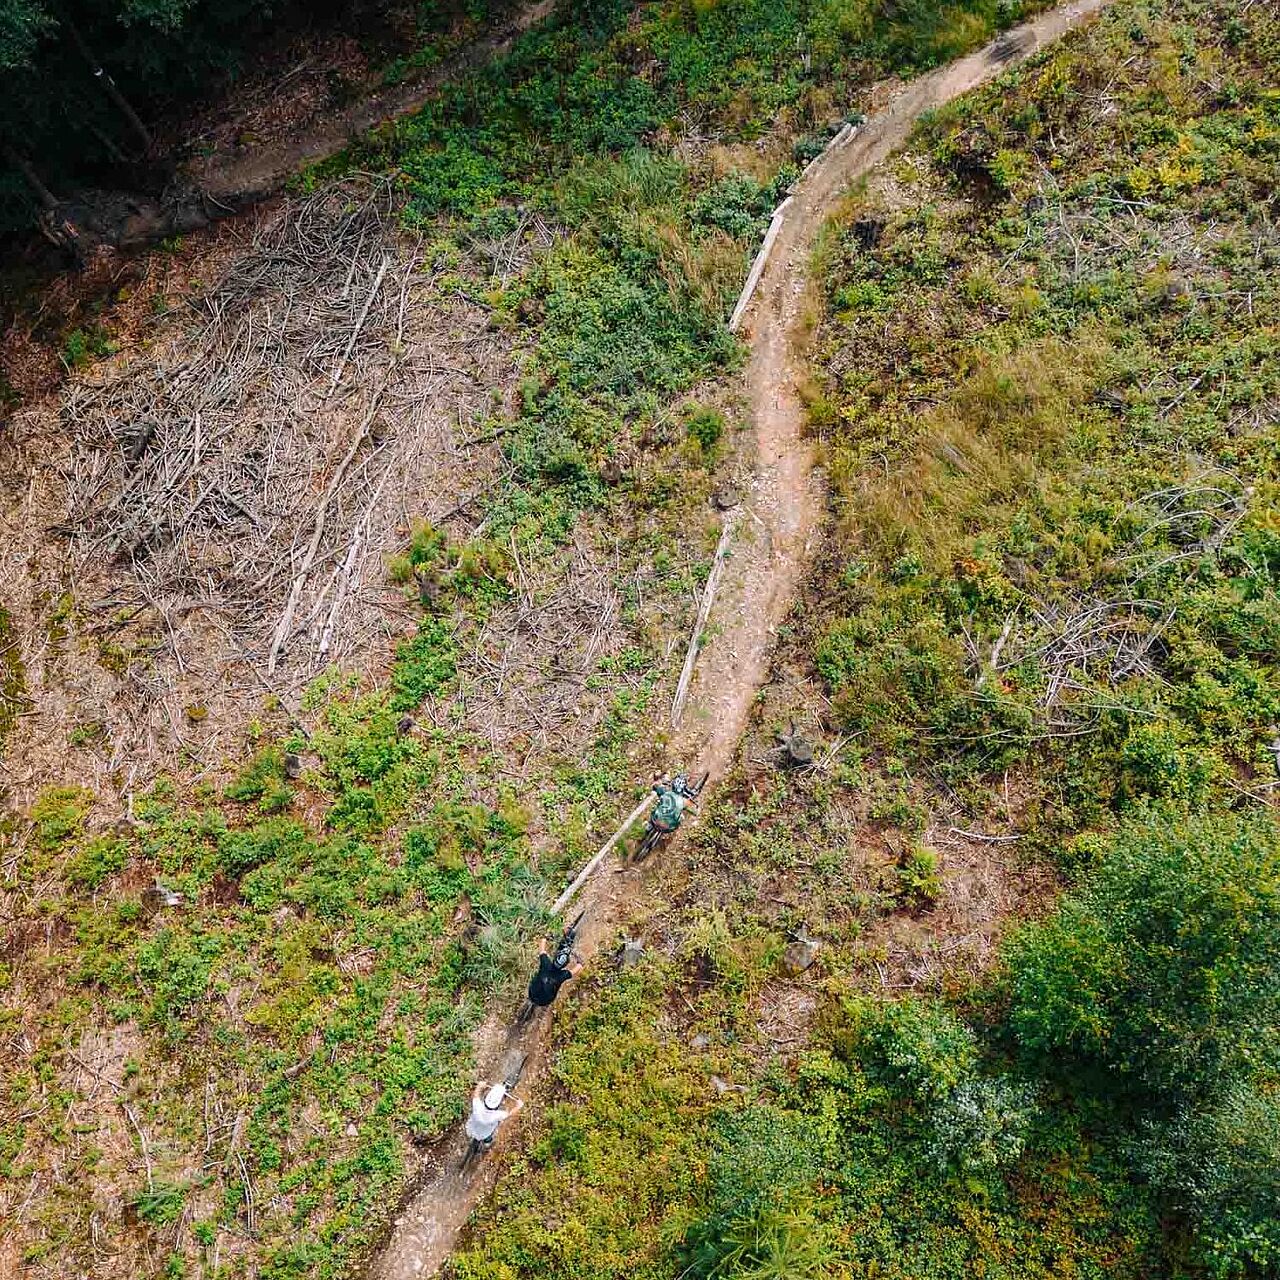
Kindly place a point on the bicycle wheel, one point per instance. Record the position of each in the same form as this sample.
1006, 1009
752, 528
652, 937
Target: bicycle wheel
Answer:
648, 843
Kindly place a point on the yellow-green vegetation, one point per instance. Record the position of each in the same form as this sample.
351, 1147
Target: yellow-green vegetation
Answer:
632, 1112
1047, 391
279, 1004
1067, 563
13, 685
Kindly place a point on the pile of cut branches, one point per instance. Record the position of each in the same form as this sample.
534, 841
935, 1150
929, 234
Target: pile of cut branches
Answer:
263, 459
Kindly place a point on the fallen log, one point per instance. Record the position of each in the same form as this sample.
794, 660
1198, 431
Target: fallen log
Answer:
704, 612
758, 266
585, 874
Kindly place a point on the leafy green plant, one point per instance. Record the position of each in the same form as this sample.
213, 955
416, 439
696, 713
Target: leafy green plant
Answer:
275, 838
706, 427
80, 346
709, 940
918, 884
918, 1047
58, 815
774, 1243
424, 665
160, 1204
1156, 982
756, 1223
736, 204
174, 967
99, 859
981, 1125
1220, 1166
1158, 763
263, 780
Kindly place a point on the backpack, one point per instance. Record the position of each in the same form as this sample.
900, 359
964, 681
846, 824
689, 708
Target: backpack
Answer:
666, 813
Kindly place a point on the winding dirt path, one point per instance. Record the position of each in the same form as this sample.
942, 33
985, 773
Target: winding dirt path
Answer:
781, 520
237, 181
786, 503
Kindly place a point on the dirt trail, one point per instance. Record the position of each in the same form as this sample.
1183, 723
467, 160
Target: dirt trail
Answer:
781, 519
242, 180
786, 501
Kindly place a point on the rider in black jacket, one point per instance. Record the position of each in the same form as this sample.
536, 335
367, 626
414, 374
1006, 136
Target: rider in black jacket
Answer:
545, 985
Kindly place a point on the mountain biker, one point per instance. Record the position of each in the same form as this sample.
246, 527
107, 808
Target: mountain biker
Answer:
488, 1113
672, 799
553, 973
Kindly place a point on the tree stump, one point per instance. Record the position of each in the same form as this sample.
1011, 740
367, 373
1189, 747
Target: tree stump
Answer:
797, 750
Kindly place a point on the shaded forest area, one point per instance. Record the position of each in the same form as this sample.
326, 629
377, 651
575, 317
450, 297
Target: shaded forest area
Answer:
99, 95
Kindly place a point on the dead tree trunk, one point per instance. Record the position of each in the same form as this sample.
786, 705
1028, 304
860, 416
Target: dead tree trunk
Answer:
43, 195
112, 90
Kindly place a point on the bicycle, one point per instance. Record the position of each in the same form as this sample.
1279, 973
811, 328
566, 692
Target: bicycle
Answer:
657, 827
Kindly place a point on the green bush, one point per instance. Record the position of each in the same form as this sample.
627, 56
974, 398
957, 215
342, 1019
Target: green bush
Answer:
427, 545
1158, 982
840, 26
1220, 1167
452, 178
424, 664
276, 838
706, 426
981, 1126
1158, 763
1154, 993
918, 1048
100, 859
925, 33
762, 1160
160, 1204
737, 204
436, 864
175, 967
774, 1242
759, 1154
58, 814
263, 780
81, 346
892, 671
918, 885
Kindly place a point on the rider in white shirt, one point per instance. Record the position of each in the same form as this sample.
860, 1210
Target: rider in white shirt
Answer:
488, 1113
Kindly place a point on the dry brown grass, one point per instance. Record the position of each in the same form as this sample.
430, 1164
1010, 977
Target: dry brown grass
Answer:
994, 439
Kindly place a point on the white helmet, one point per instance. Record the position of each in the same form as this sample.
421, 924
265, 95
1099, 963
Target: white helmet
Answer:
493, 1099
